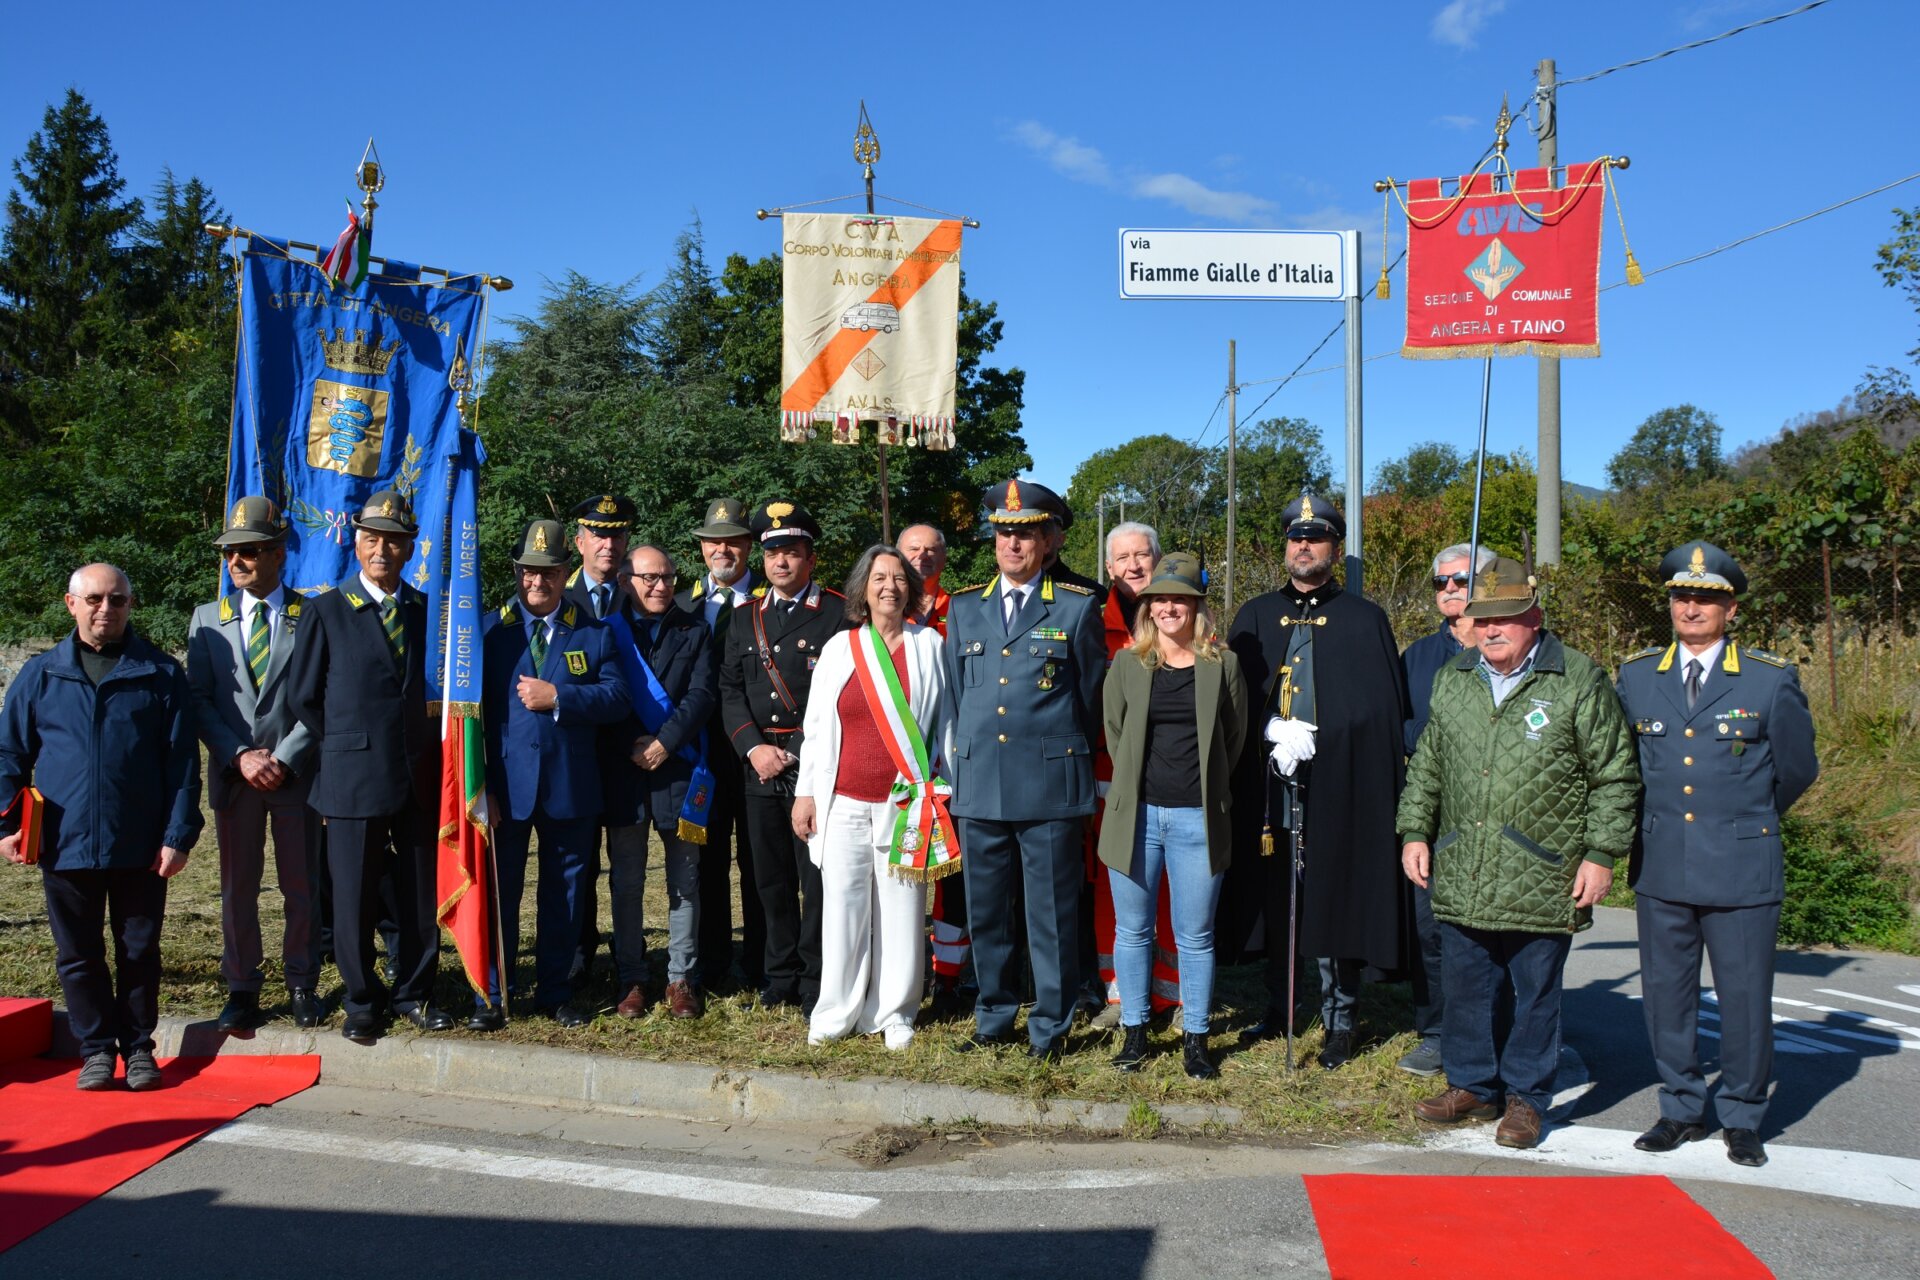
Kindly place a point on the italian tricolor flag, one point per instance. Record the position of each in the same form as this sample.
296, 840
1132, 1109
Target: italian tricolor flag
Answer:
351, 257
466, 908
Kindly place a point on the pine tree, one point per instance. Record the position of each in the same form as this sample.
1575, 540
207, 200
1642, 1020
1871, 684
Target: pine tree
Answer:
178, 283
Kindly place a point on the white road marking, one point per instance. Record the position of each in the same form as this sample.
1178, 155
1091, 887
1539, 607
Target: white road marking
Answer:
1853, 995
1783, 1041
511, 1164
1910, 989
1571, 1082
1845, 1175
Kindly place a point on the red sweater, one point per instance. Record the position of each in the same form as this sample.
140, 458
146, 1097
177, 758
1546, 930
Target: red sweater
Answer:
866, 769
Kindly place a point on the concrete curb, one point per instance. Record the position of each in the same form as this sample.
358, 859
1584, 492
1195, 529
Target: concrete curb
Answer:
542, 1076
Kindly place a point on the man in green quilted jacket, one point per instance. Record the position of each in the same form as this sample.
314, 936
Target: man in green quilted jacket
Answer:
1519, 797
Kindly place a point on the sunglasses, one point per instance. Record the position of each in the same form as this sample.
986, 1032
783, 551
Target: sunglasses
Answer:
118, 600
1441, 580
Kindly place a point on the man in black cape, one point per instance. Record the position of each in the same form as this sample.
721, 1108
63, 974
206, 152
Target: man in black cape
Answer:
1345, 692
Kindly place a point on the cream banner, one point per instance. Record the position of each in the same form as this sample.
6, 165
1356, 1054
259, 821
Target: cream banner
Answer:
870, 327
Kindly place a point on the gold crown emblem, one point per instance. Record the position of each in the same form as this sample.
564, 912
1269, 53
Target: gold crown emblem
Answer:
778, 511
1698, 565
359, 355
606, 506
239, 514
539, 537
386, 508
1013, 495
1306, 507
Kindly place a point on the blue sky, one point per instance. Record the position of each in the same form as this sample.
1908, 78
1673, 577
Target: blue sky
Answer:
527, 141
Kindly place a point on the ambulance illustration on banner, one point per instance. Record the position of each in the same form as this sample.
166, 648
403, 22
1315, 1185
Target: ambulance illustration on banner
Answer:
868, 316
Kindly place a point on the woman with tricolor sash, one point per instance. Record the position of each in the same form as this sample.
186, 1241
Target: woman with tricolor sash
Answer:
871, 802
1176, 715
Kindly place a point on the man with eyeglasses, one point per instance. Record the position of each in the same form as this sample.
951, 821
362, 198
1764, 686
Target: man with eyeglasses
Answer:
261, 762
102, 726
1330, 715
661, 770
1452, 585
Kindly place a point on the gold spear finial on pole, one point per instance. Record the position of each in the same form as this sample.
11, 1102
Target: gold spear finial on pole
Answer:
1502, 123
370, 177
866, 149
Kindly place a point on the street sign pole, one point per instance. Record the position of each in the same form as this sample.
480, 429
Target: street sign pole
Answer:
1356, 470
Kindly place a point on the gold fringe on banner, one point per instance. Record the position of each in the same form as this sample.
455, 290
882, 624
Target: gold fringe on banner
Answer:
1481, 350
691, 833
918, 875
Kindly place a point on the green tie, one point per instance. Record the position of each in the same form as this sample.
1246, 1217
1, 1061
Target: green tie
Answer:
724, 595
537, 645
257, 648
396, 630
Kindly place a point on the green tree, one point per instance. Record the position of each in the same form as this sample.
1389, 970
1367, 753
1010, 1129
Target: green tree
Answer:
1424, 471
1506, 504
1898, 260
1164, 482
1672, 450
178, 283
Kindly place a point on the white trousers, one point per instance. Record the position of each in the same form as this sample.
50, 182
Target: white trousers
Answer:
873, 934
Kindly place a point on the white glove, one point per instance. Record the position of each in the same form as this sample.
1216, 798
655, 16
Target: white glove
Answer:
1292, 744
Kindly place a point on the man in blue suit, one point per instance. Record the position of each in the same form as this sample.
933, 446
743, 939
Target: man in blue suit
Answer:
359, 687
550, 680
1026, 654
1726, 745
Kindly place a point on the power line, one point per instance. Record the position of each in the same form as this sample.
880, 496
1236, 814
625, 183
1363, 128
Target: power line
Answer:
1696, 44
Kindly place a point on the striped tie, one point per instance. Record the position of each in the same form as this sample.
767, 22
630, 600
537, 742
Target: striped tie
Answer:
258, 650
537, 645
396, 629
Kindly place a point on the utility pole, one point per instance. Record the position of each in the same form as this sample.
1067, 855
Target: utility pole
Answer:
1547, 485
1233, 492
1100, 541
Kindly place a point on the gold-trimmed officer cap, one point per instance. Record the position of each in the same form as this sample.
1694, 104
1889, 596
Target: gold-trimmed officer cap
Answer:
1504, 589
1018, 501
1312, 516
1178, 574
387, 512
253, 519
606, 512
542, 546
726, 518
779, 522
1701, 566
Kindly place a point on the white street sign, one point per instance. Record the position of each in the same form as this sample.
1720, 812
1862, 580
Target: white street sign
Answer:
1161, 262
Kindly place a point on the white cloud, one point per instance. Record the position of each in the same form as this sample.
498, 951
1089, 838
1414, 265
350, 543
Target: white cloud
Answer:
1200, 199
1460, 21
1068, 156
1073, 159
1457, 122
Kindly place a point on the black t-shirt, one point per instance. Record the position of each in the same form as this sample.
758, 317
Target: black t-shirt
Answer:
1170, 778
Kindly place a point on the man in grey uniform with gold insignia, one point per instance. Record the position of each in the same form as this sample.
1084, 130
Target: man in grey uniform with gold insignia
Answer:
1726, 745
1026, 656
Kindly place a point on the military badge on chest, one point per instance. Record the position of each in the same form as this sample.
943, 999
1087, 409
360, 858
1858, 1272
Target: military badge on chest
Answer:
1537, 720
577, 661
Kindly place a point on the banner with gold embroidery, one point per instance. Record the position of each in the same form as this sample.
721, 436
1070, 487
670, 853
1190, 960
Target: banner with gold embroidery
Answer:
342, 390
870, 324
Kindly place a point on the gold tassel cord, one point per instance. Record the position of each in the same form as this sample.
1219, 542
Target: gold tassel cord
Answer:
1384, 289
1634, 274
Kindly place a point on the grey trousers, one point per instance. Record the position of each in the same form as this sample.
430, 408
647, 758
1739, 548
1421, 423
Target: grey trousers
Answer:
241, 832
627, 861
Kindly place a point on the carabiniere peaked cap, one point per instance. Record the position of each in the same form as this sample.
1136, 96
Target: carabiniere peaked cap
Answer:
1020, 501
1311, 515
387, 512
780, 522
253, 520
543, 546
1504, 589
1701, 566
726, 518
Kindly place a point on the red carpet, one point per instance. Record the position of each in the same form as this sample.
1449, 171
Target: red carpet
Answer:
59, 1147
26, 1028
1490, 1228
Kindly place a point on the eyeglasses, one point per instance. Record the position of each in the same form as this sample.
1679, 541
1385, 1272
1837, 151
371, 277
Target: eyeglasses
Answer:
117, 600
654, 579
1441, 580
244, 553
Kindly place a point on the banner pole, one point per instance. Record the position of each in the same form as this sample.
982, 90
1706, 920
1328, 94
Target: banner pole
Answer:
1480, 462
866, 150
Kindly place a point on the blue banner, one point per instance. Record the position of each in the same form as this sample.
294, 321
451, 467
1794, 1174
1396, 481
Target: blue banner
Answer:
453, 590
345, 391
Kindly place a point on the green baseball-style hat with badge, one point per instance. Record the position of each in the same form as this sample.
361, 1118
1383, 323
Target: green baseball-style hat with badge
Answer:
1178, 574
606, 513
1701, 566
543, 546
254, 519
1504, 589
387, 512
726, 518
1312, 516
1020, 501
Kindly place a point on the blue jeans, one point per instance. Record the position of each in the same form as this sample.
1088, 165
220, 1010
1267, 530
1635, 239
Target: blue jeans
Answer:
1174, 842
1476, 964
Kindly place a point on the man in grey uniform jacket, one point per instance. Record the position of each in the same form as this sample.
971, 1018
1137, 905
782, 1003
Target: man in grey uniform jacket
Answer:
1726, 745
1026, 655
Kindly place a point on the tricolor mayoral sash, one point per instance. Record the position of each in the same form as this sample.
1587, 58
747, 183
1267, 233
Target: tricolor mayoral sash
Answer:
925, 844
651, 704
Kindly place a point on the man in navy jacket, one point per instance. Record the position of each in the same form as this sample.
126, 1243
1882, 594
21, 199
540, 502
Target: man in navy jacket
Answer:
102, 724
551, 679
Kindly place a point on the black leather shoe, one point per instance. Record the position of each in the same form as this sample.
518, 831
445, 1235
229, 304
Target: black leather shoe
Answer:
1194, 1052
976, 1042
306, 1007
1133, 1048
1044, 1052
1338, 1050
1273, 1026
361, 1028
1667, 1134
772, 999
1744, 1147
567, 1016
487, 1020
427, 1018
242, 1011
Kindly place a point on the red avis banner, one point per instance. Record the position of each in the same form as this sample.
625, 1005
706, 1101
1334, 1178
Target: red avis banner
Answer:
1510, 273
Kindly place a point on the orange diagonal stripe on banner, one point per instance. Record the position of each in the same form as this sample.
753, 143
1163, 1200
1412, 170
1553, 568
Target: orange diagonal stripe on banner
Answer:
818, 377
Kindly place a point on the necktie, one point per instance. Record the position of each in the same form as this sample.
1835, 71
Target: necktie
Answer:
258, 650
600, 594
724, 597
395, 628
1014, 600
537, 645
1693, 682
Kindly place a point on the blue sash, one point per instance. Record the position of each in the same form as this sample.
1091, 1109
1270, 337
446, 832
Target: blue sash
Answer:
651, 704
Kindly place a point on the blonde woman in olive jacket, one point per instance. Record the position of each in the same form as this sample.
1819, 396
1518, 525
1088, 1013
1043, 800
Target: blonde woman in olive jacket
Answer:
1176, 715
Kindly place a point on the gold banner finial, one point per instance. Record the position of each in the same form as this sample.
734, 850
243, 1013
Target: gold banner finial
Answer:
866, 143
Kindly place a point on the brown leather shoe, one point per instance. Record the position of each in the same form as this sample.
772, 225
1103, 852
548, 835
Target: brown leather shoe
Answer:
1454, 1106
634, 1003
683, 1001
1520, 1127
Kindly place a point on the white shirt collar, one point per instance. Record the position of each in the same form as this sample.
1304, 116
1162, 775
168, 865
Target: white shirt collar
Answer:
275, 600
1708, 659
742, 587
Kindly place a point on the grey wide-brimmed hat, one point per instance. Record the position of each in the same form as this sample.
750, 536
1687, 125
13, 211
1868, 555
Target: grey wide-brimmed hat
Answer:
1177, 574
387, 512
542, 546
254, 519
1504, 589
